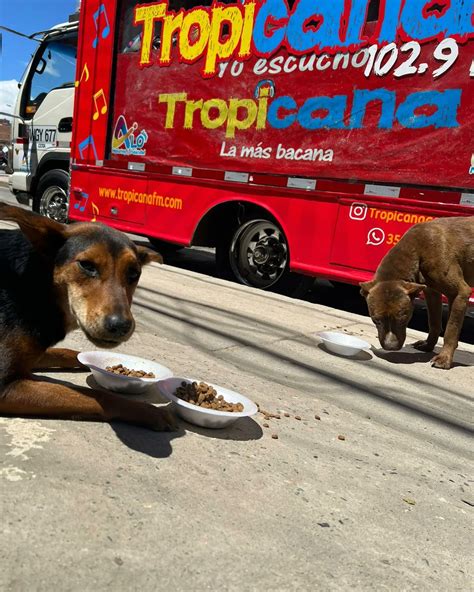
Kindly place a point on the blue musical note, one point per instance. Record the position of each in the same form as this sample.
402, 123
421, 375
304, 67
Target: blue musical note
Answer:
106, 30
83, 145
81, 206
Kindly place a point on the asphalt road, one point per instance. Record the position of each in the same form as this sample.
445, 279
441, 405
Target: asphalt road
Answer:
366, 486
342, 297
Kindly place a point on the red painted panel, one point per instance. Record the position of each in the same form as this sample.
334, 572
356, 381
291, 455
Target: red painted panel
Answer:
366, 231
181, 118
325, 234
93, 77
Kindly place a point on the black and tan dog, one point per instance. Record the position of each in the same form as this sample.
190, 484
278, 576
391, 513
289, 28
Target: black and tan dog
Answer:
437, 258
54, 278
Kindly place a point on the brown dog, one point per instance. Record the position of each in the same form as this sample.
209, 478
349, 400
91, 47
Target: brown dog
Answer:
54, 278
438, 258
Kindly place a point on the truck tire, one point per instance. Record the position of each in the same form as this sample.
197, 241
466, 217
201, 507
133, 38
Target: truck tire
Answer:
51, 196
257, 255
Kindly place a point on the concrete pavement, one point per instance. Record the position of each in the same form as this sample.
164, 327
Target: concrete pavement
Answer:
96, 506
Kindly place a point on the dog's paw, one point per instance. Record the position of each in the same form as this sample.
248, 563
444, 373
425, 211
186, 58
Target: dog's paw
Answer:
162, 419
423, 345
442, 360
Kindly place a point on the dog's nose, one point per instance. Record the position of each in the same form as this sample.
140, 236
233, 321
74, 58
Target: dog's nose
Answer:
391, 342
117, 325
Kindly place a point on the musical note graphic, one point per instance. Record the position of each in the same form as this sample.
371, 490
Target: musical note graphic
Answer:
81, 206
85, 75
95, 211
105, 30
89, 141
99, 94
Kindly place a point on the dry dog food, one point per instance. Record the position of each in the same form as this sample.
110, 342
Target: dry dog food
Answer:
203, 395
119, 369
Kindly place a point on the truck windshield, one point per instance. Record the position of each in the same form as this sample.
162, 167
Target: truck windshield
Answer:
55, 68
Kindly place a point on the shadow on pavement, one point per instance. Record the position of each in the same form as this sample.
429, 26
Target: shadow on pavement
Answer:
230, 319
410, 355
140, 439
338, 296
298, 374
242, 430
154, 444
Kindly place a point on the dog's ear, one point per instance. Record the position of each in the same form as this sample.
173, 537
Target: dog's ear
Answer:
147, 256
44, 234
365, 287
413, 289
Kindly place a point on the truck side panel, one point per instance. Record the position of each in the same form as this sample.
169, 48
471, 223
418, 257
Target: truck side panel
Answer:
345, 156
330, 233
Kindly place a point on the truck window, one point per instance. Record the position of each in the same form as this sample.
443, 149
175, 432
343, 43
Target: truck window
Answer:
55, 67
373, 11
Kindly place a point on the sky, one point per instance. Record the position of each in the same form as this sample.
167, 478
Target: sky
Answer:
25, 16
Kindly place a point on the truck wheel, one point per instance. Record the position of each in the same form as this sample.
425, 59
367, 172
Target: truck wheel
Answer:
51, 199
257, 255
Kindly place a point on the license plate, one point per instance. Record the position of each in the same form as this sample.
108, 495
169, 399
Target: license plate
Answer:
44, 137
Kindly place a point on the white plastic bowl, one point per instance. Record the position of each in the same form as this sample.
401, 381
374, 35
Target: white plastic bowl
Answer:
97, 361
207, 418
342, 344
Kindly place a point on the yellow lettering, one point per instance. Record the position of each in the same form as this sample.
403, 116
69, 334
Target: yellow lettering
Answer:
262, 113
222, 112
171, 99
148, 15
191, 107
233, 121
247, 30
217, 48
194, 35
171, 24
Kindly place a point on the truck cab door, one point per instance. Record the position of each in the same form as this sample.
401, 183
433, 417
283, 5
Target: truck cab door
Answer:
45, 101
51, 126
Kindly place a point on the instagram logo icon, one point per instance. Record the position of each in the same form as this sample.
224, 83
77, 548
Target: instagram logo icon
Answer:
358, 211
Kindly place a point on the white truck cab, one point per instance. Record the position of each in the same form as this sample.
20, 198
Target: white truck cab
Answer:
42, 123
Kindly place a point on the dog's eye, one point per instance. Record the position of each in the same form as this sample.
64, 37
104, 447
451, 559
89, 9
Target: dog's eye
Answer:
133, 275
88, 268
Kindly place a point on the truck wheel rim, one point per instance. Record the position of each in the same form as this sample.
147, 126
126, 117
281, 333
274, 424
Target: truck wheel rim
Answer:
259, 254
54, 204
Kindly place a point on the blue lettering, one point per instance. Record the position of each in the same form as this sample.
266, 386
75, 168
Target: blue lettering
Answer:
330, 112
273, 117
318, 24
447, 103
363, 97
391, 15
456, 20
356, 22
335, 107
301, 38
274, 10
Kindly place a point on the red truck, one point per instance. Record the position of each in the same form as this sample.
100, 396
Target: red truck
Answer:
296, 138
